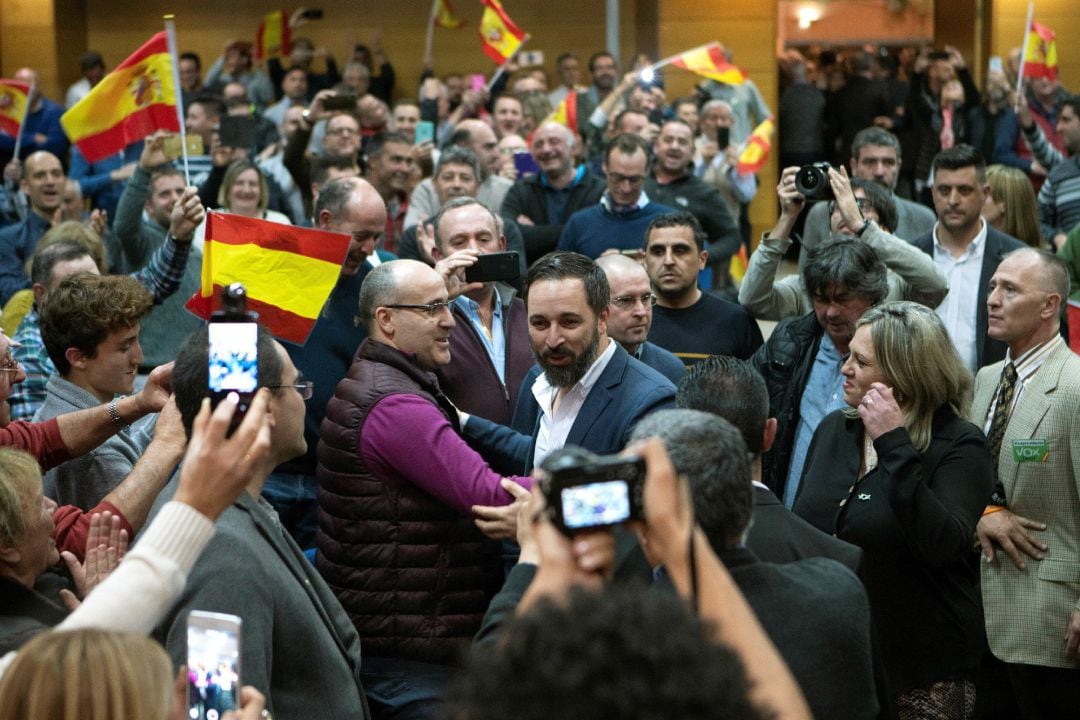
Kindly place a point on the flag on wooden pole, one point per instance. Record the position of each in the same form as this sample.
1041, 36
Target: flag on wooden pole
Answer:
288, 271
131, 102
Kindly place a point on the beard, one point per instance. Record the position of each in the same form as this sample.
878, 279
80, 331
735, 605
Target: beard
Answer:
568, 375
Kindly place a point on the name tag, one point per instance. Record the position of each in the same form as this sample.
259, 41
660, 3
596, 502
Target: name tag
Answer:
1036, 450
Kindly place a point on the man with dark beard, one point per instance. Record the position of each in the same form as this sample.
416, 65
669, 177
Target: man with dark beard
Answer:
591, 392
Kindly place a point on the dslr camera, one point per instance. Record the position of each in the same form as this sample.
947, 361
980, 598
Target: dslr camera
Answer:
584, 490
813, 181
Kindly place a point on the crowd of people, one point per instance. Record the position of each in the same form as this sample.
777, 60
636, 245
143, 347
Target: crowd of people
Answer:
869, 511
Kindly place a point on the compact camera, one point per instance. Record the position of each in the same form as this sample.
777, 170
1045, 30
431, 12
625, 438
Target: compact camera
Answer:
585, 490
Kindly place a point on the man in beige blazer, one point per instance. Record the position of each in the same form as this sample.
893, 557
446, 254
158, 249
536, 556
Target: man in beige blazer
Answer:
1032, 603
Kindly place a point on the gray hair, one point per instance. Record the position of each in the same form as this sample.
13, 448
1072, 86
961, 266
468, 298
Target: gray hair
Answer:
710, 452
335, 196
454, 204
849, 265
379, 289
459, 155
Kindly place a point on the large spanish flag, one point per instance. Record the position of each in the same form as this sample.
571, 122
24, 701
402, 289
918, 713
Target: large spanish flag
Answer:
273, 39
13, 99
288, 271
131, 102
756, 152
501, 38
1040, 52
711, 62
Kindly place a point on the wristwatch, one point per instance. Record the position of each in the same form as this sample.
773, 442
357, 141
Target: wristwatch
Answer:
860, 231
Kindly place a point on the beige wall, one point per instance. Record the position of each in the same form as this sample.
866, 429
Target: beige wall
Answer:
1007, 30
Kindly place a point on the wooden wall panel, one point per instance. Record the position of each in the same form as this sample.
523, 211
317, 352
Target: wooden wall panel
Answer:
748, 29
1062, 15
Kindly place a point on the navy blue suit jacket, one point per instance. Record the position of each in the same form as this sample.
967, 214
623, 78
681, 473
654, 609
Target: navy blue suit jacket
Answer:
625, 392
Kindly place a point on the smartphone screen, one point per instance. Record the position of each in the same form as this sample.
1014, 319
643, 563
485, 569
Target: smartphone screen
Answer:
234, 357
525, 164
723, 137
477, 82
213, 664
425, 132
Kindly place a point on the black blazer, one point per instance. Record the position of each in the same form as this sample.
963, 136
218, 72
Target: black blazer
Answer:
998, 245
780, 536
914, 517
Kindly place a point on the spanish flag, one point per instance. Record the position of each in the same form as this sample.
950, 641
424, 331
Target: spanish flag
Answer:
444, 16
710, 61
566, 113
501, 38
131, 102
273, 38
13, 98
288, 271
757, 148
1040, 53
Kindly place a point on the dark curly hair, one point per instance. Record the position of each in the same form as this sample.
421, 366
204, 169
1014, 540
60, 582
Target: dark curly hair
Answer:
622, 653
84, 309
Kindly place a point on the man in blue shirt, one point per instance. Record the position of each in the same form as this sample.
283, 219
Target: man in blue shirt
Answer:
620, 219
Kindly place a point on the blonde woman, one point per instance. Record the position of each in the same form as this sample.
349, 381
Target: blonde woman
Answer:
100, 675
901, 474
1011, 206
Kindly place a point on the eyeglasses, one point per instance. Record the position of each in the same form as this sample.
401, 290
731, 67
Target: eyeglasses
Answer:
864, 204
343, 131
431, 309
618, 179
305, 387
629, 302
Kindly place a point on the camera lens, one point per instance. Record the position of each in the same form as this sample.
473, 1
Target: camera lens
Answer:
808, 178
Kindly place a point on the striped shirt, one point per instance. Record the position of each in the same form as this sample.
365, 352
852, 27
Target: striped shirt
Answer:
1059, 198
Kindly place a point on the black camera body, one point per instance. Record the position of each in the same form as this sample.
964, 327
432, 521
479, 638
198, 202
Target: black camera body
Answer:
813, 181
585, 490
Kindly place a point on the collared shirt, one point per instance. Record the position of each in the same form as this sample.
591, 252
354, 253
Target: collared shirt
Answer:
557, 198
823, 394
493, 338
1025, 365
959, 310
555, 426
610, 206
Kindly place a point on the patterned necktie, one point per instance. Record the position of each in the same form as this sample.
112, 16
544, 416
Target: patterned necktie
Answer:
1001, 412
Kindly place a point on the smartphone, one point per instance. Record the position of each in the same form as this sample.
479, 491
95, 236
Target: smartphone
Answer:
525, 163
477, 82
584, 490
996, 64
312, 14
494, 266
723, 137
233, 353
237, 131
173, 149
213, 664
340, 101
425, 132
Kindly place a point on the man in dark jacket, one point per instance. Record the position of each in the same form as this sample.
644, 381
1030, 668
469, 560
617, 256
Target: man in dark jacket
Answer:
490, 350
542, 204
674, 184
801, 361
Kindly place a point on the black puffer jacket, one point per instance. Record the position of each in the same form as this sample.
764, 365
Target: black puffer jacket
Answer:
785, 362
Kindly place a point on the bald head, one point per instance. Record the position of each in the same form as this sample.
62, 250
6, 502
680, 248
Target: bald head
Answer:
1024, 302
481, 140
630, 311
403, 304
353, 207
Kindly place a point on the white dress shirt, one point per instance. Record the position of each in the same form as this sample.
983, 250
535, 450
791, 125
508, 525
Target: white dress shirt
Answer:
959, 310
555, 426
